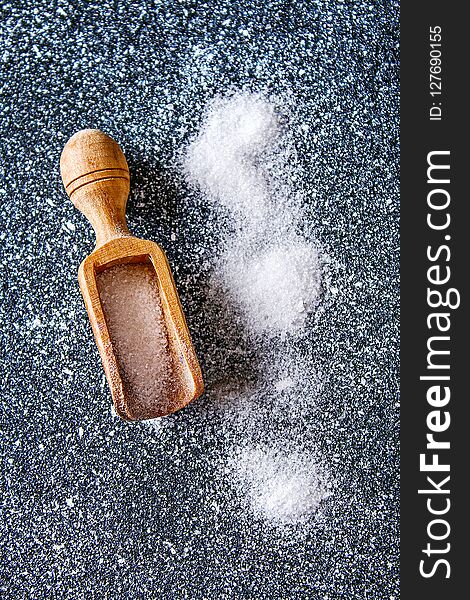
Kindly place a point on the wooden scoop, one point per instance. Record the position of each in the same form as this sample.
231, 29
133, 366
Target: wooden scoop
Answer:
96, 178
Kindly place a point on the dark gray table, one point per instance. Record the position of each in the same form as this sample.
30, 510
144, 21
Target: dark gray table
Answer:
93, 507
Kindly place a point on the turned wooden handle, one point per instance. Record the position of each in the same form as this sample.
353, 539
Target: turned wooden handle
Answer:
96, 177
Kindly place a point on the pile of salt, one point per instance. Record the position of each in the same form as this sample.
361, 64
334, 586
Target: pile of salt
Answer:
284, 487
243, 161
240, 160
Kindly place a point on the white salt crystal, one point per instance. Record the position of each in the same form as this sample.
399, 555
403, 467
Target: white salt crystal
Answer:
131, 302
284, 384
70, 502
36, 323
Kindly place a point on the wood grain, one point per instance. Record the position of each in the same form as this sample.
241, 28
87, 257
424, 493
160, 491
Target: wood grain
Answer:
96, 178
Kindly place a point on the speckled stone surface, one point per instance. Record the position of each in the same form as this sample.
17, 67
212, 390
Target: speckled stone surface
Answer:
96, 508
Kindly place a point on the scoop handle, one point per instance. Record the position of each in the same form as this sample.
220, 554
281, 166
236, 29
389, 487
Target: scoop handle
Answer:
96, 178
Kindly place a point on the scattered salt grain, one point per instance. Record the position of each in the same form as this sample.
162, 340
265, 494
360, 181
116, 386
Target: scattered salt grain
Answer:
131, 302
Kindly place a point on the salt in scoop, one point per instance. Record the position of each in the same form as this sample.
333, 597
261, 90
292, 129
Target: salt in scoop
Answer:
128, 288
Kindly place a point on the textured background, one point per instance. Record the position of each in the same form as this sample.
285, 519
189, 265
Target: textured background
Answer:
91, 506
